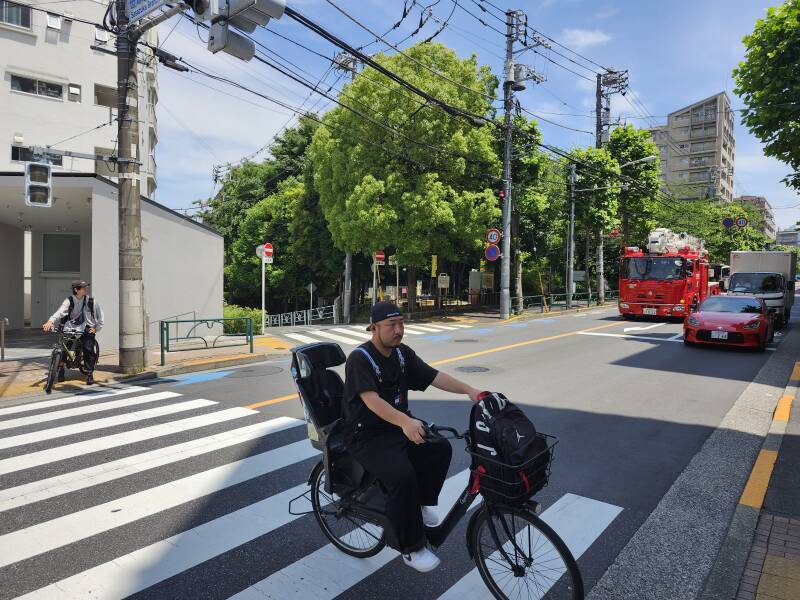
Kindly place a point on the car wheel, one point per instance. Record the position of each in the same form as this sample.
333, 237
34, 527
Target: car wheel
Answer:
687, 342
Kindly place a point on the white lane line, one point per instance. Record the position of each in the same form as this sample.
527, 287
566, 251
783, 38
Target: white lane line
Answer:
44, 537
578, 521
433, 327
301, 338
102, 473
629, 337
462, 325
445, 327
583, 314
12, 410
408, 331
131, 573
359, 334
420, 328
94, 425
677, 336
84, 410
337, 338
642, 327
43, 457
328, 572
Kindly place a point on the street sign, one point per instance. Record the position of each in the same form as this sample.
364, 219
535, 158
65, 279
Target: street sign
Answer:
268, 249
260, 251
579, 276
265, 254
444, 281
493, 235
380, 257
433, 266
492, 252
727, 222
393, 260
488, 280
614, 233
138, 9
742, 222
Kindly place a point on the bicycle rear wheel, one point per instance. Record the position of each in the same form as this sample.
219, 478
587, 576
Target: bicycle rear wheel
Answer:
519, 556
52, 372
348, 532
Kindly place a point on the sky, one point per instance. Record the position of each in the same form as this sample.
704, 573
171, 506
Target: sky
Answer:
676, 53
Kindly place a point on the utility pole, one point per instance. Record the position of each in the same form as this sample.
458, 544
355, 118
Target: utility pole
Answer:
571, 234
131, 289
508, 107
610, 82
347, 62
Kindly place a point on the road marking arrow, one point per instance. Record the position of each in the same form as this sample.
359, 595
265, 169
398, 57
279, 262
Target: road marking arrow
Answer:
643, 328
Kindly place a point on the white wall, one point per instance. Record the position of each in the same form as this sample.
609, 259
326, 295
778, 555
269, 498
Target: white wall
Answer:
11, 274
105, 262
183, 265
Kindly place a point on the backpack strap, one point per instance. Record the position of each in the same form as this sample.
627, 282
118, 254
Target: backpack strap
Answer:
402, 360
371, 360
65, 318
91, 306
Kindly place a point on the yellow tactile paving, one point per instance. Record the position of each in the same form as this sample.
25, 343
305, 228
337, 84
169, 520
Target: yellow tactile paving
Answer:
756, 488
270, 342
784, 409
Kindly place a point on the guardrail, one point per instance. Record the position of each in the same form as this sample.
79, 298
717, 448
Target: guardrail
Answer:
301, 317
228, 331
545, 303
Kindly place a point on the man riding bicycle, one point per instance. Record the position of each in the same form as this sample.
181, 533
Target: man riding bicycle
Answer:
385, 438
81, 313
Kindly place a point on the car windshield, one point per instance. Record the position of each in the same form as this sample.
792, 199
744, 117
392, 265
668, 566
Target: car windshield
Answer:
652, 268
730, 304
755, 283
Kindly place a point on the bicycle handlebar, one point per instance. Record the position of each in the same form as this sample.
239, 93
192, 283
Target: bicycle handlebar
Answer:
433, 430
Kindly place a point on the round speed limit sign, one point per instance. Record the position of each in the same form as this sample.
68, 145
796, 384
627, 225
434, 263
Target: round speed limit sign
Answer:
493, 235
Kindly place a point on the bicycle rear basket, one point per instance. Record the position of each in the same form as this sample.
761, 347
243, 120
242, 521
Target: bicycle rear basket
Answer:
504, 482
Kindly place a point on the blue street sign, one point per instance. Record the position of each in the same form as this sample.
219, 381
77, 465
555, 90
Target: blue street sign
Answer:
741, 222
727, 222
492, 252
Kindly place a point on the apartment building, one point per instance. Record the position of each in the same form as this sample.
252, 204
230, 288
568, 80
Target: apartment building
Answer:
788, 237
768, 228
60, 88
698, 149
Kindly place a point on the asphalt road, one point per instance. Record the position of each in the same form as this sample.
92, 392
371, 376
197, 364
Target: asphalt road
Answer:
175, 489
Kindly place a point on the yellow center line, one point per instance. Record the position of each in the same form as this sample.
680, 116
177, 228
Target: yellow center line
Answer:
461, 357
756, 488
784, 409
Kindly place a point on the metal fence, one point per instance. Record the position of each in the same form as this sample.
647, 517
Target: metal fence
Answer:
168, 335
301, 317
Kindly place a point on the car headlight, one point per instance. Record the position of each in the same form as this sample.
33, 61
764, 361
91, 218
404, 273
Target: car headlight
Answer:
623, 305
693, 322
753, 325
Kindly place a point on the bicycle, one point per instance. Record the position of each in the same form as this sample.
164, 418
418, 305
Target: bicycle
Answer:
347, 502
68, 349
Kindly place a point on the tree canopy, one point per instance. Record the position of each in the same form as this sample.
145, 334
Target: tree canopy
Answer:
768, 81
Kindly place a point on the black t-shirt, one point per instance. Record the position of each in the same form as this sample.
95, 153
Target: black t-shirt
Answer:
395, 381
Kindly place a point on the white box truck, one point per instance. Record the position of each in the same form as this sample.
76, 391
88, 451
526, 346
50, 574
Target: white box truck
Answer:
768, 275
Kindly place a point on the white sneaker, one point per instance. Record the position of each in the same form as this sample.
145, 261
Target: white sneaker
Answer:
430, 517
423, 560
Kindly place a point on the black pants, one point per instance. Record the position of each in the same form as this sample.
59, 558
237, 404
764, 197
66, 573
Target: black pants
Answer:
413, 475
87, 349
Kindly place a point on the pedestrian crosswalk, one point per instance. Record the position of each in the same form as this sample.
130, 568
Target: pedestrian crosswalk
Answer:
353, 335
190, 489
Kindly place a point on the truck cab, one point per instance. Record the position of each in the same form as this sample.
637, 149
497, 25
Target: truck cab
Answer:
769, 275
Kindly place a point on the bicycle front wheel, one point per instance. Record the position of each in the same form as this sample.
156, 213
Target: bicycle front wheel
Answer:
52, 372
519, 556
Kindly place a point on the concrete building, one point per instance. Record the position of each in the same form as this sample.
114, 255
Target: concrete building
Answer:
57, 90
768, 228
698, 149
788, 237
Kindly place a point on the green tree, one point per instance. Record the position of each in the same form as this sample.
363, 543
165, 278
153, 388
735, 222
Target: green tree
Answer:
379, 189
768, 82
638, 198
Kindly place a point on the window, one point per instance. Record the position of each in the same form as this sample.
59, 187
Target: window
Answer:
100, 35
61, 252
15, 14
34, 86
74, 93
22, 154
105, 96
54, 21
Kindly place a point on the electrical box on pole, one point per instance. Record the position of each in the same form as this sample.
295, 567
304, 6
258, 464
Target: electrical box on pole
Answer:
38, 188
244, 15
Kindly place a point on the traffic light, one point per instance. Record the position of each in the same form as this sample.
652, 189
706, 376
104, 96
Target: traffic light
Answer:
244, 15
38, 188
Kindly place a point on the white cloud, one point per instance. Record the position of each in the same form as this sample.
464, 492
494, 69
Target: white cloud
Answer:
580, 39
606, 13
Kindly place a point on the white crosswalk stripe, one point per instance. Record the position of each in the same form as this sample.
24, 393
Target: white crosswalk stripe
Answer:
12, 410
352, 341
353, 335
352, 332
173, 478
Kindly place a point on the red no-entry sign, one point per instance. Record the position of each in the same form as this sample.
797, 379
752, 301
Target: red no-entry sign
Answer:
380, 257
267, 249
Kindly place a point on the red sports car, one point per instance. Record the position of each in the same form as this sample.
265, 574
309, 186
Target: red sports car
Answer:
730, 321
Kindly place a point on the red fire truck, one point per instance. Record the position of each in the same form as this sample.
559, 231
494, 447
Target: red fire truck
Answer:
667, 279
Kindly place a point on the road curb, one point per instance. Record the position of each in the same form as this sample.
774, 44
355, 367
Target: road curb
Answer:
729, 565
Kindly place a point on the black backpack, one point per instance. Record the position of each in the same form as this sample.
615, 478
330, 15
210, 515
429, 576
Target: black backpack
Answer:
89, 303
510, 458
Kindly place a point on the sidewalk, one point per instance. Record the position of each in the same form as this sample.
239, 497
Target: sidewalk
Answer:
26, 376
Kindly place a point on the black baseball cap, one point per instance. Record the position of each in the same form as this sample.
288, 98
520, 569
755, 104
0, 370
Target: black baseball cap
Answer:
79, 283
382, 311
